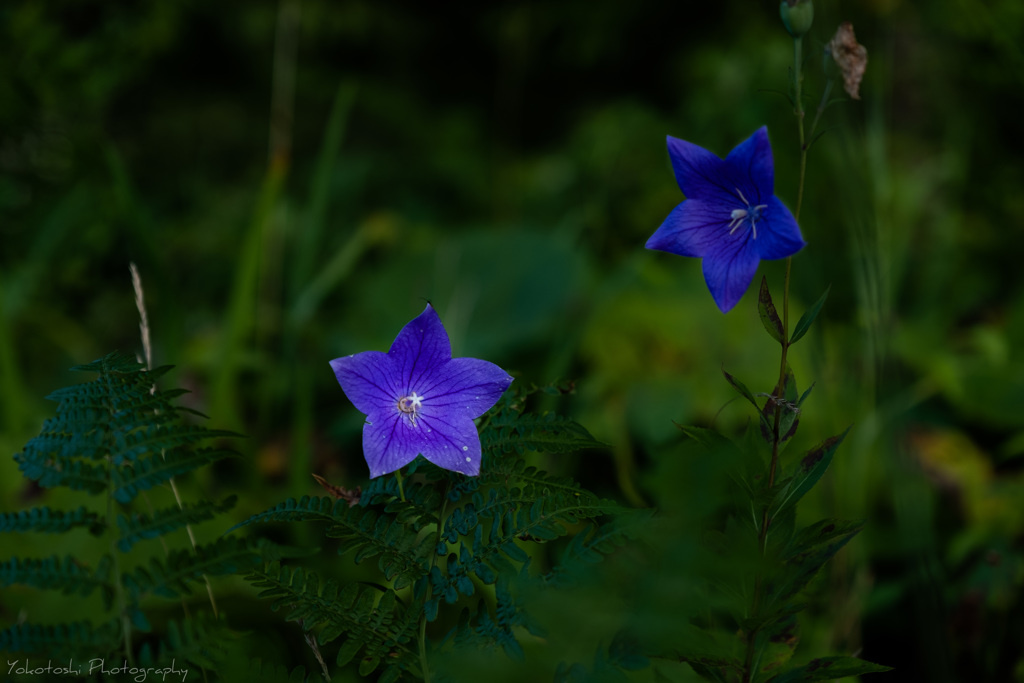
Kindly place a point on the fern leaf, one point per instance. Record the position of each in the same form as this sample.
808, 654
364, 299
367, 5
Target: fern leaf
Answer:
548, 433
583, 551
59, 640
365, 534
307, 508
43, 519
172, 576
49, 472
141, 526
514, 515
203, 640
63, 574
134, 441
372, 621
362, 531
157, 468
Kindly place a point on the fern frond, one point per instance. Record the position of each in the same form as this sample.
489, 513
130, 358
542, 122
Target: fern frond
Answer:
134, 441
172, 576
372, 621
513, 515
548, 433
50, 472
158, 468
141, 526
362, 531
58, 640
365, 533
490, 632
45, 520
202, 640
63, 574
307, 508
583, 551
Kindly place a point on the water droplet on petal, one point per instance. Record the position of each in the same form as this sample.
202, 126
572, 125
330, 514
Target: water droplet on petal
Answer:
467, 459
465, 448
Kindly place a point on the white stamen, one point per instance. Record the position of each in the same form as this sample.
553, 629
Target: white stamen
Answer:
740, 215
410, 405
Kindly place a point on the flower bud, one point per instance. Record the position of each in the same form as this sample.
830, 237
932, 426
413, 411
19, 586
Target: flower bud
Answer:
797, 16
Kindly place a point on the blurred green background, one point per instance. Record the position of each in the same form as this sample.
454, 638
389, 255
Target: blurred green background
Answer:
295, 179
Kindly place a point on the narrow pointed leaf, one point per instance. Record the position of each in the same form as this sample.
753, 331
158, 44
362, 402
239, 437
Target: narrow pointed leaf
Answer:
809, 471
808, 317
809, 550
829, 668
769, 316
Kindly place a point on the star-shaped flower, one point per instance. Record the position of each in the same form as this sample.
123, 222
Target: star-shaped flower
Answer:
418, 400
730, 218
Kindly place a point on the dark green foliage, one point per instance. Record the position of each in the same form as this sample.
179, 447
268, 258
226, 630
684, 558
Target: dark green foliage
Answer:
203, 640
372, 621
118, 437
828, 669
65, 575
769, 316
43, 519
142, 526
177, 573
510, 430
807, 319
610, 664
61, 639
449, 537
758, 563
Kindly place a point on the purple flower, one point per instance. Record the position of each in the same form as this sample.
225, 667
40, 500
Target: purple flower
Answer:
418, 400
730, 218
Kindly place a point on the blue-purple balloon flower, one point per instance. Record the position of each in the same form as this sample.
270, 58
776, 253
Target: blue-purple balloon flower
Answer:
418, 400
730, 218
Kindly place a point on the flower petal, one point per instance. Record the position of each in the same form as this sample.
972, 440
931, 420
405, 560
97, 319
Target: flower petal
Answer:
465, 387
370, 380
448, 441
691, 229
778, 234
702, 175
387, 443
421, 345
751, 167
729, 268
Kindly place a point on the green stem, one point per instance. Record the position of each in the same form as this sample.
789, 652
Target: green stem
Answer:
401, 491
748, 673
424, 667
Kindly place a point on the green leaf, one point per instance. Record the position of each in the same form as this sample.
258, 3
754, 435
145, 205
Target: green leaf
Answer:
810, 469
783, 398
746, 393
769, 317
808, 317
808, 552
742, 388
548, 433
44, 519
139, 527
829, 668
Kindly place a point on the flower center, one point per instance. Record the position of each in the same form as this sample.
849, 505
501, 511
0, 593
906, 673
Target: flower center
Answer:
740, 215
410, 405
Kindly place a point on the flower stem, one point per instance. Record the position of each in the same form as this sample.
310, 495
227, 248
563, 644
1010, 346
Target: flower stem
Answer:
748, 672
424, 666
401, 491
